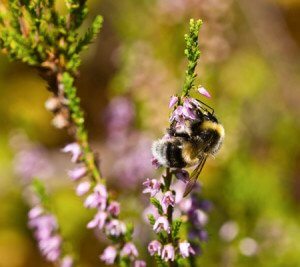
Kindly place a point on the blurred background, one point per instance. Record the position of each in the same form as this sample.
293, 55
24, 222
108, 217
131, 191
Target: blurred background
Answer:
250, 65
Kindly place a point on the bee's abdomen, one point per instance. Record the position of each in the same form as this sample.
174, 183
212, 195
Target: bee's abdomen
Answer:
168, 153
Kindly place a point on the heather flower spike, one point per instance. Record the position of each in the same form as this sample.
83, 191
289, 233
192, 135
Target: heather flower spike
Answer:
168, 198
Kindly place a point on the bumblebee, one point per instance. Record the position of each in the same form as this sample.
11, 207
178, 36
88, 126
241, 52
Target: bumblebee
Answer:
190, 146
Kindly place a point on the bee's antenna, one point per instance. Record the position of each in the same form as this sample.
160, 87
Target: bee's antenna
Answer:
211, 109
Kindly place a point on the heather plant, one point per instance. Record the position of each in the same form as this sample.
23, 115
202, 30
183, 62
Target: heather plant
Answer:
167, 195
35, 33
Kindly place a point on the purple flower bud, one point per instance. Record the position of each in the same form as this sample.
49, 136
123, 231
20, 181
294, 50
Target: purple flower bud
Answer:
83, 188
200, 218
67, 261
114, 208
129, 250
204, 92
173, 101
161, 224
182, 175
109, 255
98, 221
77, 173
168, 253
74, 149
185, 249
139, 263
155, 163
167, 200
152, 187
155, 247
115, 228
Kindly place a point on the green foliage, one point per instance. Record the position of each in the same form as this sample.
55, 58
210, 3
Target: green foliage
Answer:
176, 227
192, 53
155, 202
151, 219
159, 261
41, 192
35, 33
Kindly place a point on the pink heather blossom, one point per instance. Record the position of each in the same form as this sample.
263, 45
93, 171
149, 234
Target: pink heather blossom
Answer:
155, 247
51, 244
173, 101
77, 173
129, 250
152, 187
168, 253
139, 263
114, 208
109, 255
67, 261
98, 221
98, 199
115, 228
83, 188
35, 212
204, 92
74, 149
161, 224
167, 200
185, 249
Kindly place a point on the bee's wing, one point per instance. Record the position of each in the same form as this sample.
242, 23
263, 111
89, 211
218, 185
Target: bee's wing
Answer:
195, 174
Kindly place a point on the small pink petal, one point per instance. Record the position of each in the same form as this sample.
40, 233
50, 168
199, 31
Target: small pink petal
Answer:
173, 101
204, 92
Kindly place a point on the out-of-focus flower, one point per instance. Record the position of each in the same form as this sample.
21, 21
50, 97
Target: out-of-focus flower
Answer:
67, 261
98, 221
77, 173
155, 247
52, 104
155, 163
185, 249
83, 188
167, 200
168, 253
248, 246
204, 92
115, 228
173, 101
109, 255
118, 116
139, 263
229, 231
152, 187
129, 250
161, 224
59, 121
74, 149
45, 226
32, 162
200, 217
114, 208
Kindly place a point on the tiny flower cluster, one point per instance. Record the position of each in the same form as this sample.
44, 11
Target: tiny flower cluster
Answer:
46, 232
106, 217
168, 251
